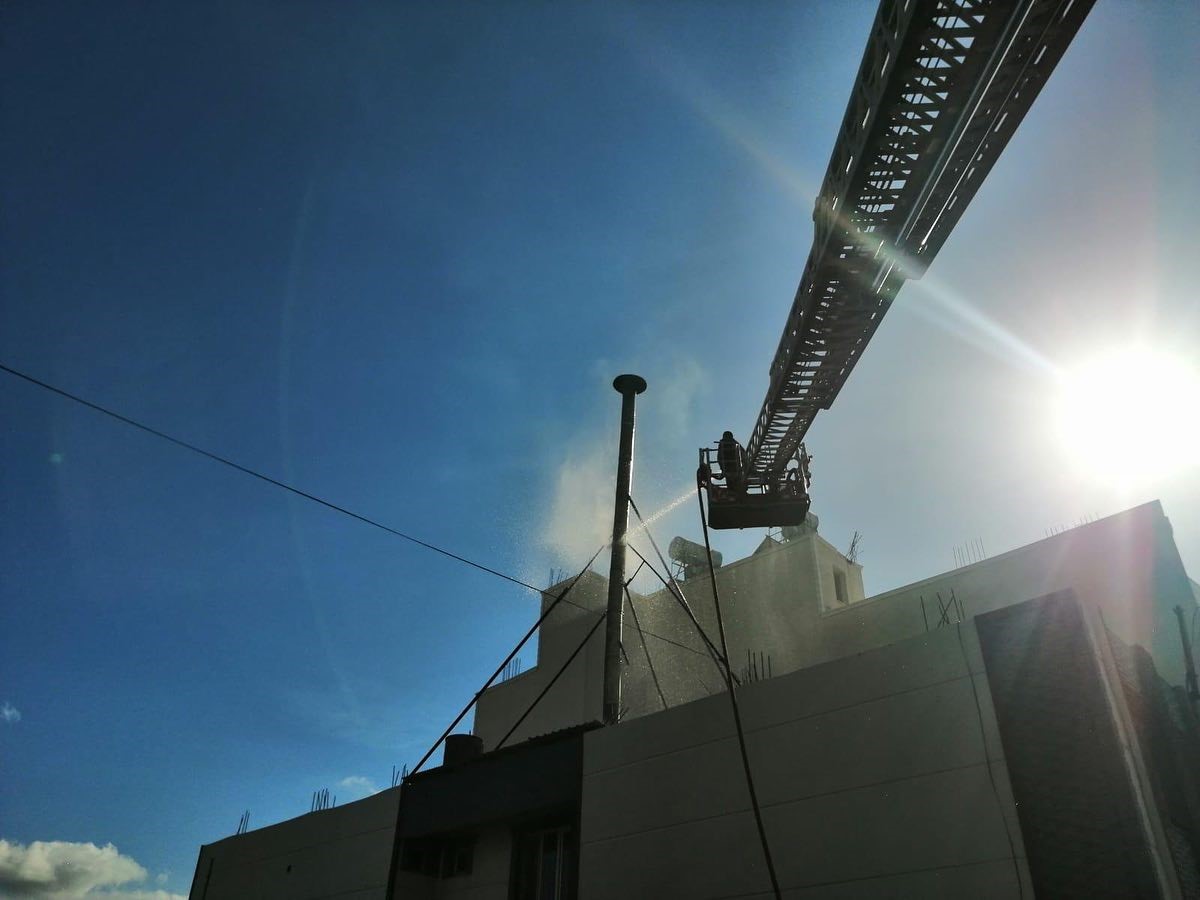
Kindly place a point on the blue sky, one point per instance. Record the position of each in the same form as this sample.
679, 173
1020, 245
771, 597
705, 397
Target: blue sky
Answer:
394, 254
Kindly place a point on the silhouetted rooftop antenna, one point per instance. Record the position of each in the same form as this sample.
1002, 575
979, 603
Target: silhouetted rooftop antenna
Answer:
855, 547
320, 800
758, 666
972, 551
511, 670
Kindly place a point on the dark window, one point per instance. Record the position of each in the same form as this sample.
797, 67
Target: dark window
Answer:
545, 864
839, 587
458, 857
438, 857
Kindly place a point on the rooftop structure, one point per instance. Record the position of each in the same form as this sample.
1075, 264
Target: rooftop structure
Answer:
1014, 727
798, 601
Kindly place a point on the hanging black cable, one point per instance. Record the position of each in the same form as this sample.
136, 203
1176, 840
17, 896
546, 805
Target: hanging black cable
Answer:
713, 653
737, 715
545, 690
267, 478
677, 592
624, 655
673, 587
562, 596
500, 669
645, 649
570, 659
655, 635
679, 644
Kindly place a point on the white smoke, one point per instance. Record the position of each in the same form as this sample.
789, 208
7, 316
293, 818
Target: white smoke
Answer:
581, 507
579, 514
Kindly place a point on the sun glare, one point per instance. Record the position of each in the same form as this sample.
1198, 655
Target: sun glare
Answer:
1131, 417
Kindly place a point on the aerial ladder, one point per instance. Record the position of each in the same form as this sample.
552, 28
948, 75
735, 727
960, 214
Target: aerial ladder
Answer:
942, 86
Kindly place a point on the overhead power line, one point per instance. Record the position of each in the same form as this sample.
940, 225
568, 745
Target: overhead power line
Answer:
216, 457
267, 478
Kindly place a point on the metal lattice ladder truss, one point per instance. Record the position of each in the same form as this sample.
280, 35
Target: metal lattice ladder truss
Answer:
942, 87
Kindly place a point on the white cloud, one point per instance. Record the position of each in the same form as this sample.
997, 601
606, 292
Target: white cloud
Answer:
62, 870
359, 784
10, 713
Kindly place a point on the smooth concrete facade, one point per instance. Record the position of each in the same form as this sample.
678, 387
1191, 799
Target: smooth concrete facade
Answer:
1126, 566
343, 852
881, 775
878, 776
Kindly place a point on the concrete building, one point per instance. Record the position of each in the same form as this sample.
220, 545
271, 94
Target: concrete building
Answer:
1013, 728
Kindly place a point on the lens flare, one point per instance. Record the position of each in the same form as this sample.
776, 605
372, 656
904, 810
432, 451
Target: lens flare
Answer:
1131, 416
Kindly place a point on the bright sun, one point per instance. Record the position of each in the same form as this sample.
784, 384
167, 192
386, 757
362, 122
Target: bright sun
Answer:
1132, 416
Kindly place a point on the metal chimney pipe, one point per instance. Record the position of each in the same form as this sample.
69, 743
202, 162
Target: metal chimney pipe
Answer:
628, 386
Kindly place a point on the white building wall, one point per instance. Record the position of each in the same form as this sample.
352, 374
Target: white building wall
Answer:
878, 776
1125, 565
782, 602
344, 852
764, 598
